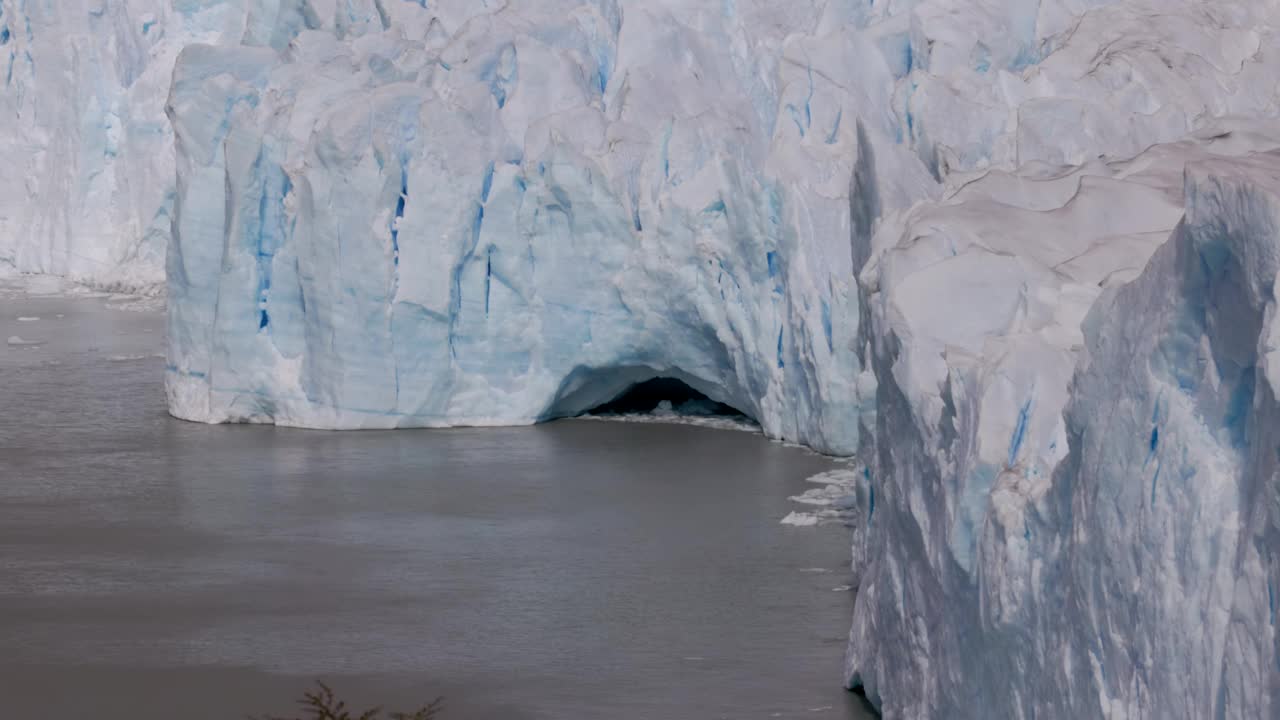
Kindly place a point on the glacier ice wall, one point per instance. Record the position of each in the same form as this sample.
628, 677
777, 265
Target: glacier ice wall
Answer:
88, 182
1009, 514
433, 217
1171, 483
1061, 478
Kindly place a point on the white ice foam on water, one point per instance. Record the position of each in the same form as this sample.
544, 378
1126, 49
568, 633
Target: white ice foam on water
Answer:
800, 519
670, 417
841, 499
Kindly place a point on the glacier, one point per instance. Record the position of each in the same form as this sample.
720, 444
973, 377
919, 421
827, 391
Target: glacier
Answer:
1019, 256
1060, 480
88, 187
1071, 473
430, 218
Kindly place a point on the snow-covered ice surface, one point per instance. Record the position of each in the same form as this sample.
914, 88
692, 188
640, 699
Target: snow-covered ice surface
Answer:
1019, 255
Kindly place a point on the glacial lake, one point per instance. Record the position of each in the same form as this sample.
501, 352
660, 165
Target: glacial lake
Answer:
152, 568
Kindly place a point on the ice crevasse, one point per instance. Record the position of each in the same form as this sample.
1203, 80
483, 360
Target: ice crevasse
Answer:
88, 183
1019, 256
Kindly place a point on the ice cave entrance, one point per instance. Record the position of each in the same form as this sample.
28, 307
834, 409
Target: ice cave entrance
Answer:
628, 392
665, 395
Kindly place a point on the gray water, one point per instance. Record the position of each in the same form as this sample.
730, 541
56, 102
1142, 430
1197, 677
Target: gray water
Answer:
151, 568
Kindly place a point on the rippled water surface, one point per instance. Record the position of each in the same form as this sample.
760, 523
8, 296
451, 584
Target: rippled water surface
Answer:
151, 568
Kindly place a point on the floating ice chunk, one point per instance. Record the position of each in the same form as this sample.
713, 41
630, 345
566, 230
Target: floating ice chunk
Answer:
800, 519
839, 498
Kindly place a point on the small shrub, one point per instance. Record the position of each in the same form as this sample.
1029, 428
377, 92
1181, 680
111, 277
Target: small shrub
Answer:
323, 704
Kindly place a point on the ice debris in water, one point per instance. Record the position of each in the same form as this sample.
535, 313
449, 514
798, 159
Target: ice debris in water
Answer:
837, 501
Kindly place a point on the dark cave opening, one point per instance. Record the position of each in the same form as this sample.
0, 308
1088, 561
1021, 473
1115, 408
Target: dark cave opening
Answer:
621, 391
664, 395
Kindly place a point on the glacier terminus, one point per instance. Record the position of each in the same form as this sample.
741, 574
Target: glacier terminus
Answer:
1019, 257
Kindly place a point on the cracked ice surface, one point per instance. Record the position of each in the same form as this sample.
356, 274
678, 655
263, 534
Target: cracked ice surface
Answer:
1067, 344
1062, 464
432, 217
88, 186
